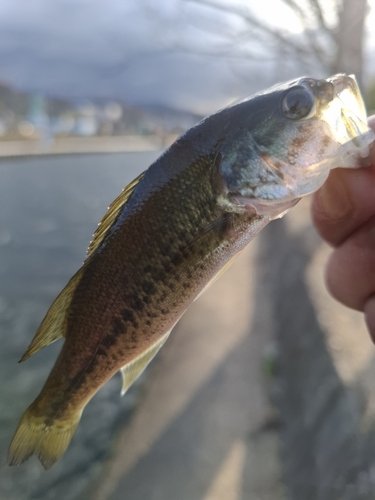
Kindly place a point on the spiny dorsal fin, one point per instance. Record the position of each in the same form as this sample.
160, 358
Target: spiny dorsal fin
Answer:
133, 369
53, 325
112, 214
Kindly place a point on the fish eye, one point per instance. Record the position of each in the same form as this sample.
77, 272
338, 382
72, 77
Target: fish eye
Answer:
297, 103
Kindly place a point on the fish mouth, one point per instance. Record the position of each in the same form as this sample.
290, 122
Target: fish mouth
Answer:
346, 115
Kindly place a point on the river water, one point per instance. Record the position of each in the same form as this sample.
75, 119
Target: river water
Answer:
49, 209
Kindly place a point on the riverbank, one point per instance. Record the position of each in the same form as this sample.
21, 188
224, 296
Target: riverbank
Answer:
84, 145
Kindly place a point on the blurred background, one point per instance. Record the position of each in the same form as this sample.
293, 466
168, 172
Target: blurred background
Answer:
265, 390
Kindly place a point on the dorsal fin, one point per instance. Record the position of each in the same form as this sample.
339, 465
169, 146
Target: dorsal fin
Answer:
53, 326
112, 214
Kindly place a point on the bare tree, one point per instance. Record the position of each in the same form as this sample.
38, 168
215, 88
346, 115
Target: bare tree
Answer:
349, 38
333, 31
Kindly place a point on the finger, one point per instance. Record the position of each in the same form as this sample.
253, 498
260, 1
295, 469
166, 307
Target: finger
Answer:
345, 201
350, 271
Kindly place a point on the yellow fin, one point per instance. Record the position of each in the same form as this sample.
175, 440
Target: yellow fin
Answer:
112, 214
34, 437
132, 370
53, 326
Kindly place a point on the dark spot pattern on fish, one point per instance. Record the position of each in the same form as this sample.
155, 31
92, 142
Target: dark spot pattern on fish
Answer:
128, 316
155, 274
134, 338
177, 259
101, 352
325, 143
137, 304
151, 314
171, 286
77, 381
55, 405
118, 325
147, 299
91, 366
108, 341
298, 142
148, 287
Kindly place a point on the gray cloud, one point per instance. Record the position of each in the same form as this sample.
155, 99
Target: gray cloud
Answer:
116, 49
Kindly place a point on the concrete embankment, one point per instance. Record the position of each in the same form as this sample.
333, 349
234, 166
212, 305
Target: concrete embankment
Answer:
85, 145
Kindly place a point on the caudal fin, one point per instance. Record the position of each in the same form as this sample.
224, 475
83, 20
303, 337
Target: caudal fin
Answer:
34, 437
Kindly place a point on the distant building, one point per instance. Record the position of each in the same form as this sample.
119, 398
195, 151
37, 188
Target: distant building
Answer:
33, 115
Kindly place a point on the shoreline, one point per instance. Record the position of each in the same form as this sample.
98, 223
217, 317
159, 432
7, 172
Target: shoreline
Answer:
84, 145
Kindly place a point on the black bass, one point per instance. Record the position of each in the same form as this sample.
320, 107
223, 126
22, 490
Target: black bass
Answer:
173, 230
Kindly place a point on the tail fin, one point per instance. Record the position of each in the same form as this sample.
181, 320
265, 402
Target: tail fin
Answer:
47, 442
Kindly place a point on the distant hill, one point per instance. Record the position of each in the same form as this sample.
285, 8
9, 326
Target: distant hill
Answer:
32, 115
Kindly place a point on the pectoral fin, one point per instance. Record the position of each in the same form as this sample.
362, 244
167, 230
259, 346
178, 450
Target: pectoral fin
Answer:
132, 370
52, 327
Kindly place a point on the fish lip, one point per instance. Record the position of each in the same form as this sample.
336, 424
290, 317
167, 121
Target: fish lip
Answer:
342, 81
349, 103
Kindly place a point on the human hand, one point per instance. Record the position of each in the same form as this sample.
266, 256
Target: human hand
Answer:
343, 212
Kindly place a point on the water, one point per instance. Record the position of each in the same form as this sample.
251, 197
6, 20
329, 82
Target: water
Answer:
49, 209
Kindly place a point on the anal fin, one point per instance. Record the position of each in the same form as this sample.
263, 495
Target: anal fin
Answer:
52, 327
131, 371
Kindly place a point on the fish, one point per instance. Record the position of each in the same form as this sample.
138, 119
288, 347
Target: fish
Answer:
173, 230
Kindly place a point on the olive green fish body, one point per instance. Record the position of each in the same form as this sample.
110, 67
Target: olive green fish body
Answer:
171, 232
138, 283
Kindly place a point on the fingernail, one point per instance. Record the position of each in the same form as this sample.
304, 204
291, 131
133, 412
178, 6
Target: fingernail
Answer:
334, 198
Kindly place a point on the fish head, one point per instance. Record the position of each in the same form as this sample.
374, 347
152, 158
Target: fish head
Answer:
288, 139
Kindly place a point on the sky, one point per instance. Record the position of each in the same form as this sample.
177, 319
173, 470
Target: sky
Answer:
139, 51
